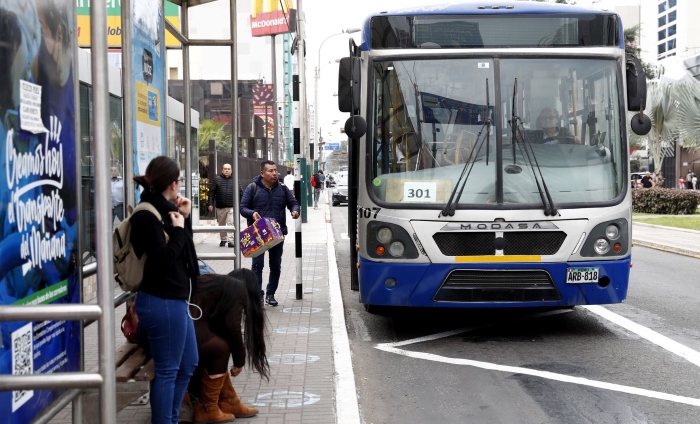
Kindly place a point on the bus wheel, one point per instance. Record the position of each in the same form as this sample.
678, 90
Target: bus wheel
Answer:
374, 309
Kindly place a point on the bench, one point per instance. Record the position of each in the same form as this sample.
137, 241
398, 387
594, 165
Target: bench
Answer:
134, 374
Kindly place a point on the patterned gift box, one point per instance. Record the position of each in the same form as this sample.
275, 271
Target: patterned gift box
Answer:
263, 235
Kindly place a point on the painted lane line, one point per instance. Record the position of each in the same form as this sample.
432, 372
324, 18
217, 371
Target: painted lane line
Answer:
672, 346
346, 405
542, 374
451, 333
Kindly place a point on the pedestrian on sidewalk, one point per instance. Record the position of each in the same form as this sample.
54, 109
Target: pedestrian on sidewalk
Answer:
171, 267
269, 200
289, 181
221, 198
316, 184
227, 301
647, 181
321, 179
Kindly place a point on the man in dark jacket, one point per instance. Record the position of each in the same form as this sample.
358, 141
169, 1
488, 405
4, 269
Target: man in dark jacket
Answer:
269, 200
221, 198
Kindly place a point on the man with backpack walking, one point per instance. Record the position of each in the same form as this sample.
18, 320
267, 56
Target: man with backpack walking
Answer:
221, 198
316, 184
267, 197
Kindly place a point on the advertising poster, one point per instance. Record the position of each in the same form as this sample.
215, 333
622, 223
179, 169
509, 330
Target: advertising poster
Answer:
113, 26
38, 194
148, 54
264, 107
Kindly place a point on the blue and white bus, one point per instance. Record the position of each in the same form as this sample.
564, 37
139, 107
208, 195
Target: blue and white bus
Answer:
493, 171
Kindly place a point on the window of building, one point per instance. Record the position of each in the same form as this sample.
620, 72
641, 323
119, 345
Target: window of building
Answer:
662, 48
671, 44
671, 30
662, 21
662, 34
172, 73
672, 16
671, 3
662, 7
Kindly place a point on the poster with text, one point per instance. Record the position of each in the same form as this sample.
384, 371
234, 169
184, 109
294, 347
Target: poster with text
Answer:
148, 54
38, 195
264, 107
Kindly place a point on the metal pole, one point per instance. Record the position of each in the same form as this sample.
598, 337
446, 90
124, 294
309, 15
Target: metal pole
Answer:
234, 135
128, 106
186, 104
275, 149
103, 205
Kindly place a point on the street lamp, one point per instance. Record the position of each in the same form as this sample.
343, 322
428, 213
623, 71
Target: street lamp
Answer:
318, 71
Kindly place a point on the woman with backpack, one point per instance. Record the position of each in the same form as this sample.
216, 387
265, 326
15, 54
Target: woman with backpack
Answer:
163, 296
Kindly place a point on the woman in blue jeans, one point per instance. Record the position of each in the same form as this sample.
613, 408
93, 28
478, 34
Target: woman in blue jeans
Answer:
171, 267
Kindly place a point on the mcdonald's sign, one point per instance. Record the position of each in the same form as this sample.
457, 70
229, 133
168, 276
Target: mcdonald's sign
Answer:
272, 17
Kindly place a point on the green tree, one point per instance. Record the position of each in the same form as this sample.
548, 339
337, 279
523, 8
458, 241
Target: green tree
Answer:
688, 113
662, 108
213, 130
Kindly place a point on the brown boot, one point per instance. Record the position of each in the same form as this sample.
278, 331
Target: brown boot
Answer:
231, 403
207, 410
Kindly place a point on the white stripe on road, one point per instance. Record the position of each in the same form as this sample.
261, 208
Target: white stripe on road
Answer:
542, 374
672, 346
346, 404
648, 334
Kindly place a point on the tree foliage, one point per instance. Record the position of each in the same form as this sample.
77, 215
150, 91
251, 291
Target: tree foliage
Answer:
687, 95
213, 130
662, 108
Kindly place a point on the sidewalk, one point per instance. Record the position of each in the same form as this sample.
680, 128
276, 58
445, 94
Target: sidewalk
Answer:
307, 344
669, 239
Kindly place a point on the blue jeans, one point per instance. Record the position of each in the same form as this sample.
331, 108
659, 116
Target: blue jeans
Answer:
275, 268
174, 348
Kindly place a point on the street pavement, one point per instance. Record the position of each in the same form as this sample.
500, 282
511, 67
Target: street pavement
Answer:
311, 372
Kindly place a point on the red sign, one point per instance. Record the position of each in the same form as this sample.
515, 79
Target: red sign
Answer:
271, 23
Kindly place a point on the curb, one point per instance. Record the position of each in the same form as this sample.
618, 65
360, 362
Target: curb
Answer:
665, 227
670, 249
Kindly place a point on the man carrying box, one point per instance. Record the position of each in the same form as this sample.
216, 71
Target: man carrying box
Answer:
269, 200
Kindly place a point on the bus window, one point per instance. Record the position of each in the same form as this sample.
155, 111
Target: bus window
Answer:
567, 110
429, 121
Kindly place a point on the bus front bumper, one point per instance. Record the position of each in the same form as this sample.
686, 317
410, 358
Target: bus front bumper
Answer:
490, 285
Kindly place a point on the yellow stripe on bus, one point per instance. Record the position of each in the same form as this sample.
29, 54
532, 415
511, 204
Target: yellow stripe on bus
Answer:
509, 258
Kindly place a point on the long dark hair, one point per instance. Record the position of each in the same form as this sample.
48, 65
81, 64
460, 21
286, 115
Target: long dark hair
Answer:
160, 173
255, 321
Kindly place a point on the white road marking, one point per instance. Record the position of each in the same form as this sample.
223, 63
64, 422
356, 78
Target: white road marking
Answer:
360, 327
543, 374
301, 310
648, 334
292, 359
346, 405
672, 346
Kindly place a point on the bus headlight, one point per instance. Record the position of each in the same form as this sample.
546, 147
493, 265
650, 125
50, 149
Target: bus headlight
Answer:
612, 232
396, 249
384, 235
601, 246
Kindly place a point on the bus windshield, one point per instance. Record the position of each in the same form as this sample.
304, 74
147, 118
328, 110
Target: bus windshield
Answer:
556, 120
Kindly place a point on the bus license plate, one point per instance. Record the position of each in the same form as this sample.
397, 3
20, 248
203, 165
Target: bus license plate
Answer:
582, 275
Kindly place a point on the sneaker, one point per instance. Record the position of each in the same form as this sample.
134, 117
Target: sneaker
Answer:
271, 300
230, 245
222, 244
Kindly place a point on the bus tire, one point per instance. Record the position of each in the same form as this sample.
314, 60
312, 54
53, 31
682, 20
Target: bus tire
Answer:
373, 309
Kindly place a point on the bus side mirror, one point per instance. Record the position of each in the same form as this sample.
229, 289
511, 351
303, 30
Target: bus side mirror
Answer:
637, 96
349, 84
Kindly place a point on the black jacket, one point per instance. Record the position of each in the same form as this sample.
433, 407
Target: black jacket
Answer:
169, 266
221, 192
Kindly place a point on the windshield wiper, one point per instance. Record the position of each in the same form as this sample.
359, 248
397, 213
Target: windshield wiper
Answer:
516, 124
450, 206
549, 208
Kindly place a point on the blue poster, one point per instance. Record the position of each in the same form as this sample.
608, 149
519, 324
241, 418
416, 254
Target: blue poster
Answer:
38, 194
148, 54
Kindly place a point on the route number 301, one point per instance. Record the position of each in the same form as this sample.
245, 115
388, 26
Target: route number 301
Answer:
423, 192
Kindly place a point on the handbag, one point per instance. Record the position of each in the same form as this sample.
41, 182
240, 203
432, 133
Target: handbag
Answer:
130, 322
